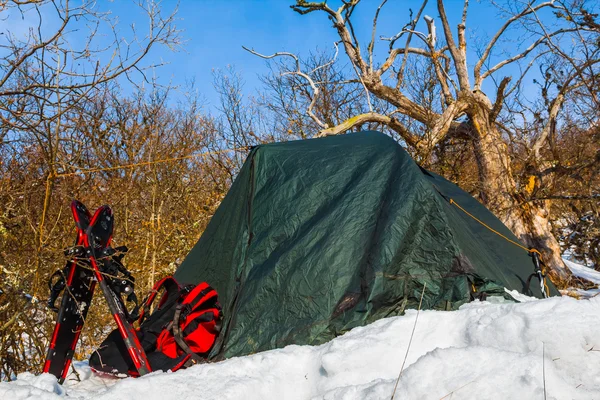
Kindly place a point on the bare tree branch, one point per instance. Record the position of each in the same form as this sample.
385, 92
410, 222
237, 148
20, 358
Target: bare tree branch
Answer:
372, 42
490, 46
360, 119
298, 72
500, 95
352, 49
459, 55
556, 104
519, 56
413, 25
570, 60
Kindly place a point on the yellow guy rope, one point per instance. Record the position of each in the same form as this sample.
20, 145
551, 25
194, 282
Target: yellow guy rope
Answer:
502, 236
492, 229
52, 176
141, 164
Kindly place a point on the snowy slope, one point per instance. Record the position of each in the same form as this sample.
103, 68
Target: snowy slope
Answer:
482, 351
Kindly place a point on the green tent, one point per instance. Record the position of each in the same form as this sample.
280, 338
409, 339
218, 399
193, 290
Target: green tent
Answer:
316, 237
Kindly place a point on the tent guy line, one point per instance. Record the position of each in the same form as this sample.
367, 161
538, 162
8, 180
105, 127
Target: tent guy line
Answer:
146, 163
533, 251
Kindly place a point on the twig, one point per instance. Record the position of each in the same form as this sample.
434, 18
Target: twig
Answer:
456, 390
410, 340
372, 43
544, 367
413, 24
76, 373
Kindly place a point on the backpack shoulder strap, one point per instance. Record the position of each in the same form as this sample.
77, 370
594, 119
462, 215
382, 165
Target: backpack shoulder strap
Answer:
172, 289
197, 297
181, 341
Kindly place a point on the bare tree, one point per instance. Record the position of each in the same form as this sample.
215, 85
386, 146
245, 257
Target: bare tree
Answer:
463, 109
55, 57
47, 70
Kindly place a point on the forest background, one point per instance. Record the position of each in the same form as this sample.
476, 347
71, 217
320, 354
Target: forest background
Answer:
152, 107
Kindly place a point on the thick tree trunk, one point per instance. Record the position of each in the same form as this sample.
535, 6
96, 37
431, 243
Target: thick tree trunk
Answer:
499, 192
531, 224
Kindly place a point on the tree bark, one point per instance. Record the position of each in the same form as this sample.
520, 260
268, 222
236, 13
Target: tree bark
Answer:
529, 221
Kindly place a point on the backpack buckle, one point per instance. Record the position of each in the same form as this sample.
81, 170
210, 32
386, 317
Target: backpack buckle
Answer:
186, 310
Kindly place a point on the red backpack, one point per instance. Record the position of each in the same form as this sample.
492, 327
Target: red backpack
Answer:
179, 332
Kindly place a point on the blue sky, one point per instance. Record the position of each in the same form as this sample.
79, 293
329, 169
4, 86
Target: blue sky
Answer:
216, 30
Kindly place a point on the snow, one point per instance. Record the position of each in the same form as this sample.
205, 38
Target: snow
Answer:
495, 349
586, 273
583, 272
485, 350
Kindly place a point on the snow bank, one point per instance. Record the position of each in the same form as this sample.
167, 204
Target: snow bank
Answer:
583, 272
484, 351
586, 273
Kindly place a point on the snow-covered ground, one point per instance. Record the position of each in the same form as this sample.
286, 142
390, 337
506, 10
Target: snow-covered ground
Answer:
485, 350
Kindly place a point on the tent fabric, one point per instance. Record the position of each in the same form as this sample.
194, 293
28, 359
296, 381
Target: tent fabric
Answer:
316, 237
